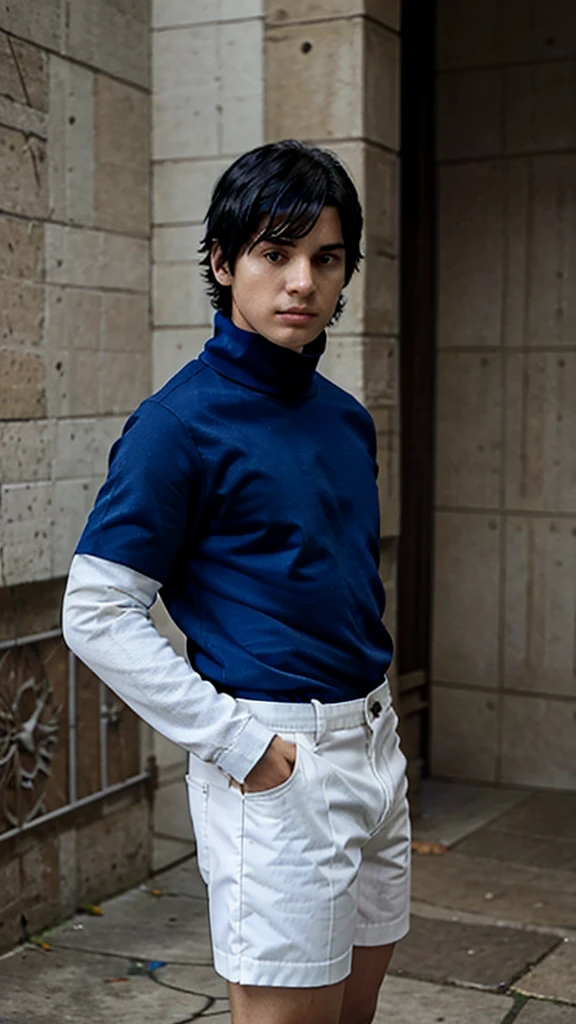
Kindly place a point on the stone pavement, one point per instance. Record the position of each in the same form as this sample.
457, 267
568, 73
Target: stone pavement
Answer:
493, 937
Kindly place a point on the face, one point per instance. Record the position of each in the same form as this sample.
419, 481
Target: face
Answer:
287, 290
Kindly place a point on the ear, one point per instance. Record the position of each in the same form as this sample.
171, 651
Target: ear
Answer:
220, 268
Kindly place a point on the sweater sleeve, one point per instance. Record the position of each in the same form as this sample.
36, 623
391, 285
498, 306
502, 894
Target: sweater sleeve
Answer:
107, 623
153, 500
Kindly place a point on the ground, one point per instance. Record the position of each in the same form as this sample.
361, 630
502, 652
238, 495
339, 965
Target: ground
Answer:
493, 936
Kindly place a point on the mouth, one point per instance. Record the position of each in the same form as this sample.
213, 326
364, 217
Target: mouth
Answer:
296, 316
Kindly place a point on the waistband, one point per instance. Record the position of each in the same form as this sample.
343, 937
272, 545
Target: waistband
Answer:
319, 718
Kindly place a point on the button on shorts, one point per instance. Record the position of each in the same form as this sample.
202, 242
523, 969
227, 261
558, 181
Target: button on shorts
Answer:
300, 874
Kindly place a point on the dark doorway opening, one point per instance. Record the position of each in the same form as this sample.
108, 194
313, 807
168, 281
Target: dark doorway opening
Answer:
417, 389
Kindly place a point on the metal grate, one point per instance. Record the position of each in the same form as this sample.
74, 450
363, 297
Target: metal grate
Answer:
29, 733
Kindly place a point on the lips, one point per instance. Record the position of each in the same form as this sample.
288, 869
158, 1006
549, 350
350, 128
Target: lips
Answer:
303, 314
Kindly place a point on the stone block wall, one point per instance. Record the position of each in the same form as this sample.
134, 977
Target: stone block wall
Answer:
504, 696
74, 362
74, 229
46, 875
207, 109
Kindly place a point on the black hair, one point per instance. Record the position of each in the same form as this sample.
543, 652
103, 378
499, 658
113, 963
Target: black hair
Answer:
289, 183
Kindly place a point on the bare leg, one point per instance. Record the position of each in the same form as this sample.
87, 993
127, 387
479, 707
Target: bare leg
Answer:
255, 1004
369, 966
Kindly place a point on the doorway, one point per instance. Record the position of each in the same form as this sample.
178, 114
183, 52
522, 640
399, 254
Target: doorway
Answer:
417, 376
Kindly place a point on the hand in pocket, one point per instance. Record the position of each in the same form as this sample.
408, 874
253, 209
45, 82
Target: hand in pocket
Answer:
274, 767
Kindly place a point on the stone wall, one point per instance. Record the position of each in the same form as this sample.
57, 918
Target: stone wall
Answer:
74, 227
74, 361
504, 698
45, 876
207, 109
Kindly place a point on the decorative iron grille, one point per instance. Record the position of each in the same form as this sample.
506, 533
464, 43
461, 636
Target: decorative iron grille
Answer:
39, 755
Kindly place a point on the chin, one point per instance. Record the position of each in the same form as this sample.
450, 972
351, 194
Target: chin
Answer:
296, 337
286, 337
296, 341
292, 343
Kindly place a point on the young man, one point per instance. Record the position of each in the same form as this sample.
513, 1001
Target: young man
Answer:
244, 492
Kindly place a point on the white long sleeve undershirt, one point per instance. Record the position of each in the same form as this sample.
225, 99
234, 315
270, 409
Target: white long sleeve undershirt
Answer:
107, 623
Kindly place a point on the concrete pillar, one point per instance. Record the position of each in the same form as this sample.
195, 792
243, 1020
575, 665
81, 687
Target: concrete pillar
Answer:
332, 78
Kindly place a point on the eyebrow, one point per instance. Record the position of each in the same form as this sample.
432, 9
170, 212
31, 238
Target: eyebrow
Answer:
289, 241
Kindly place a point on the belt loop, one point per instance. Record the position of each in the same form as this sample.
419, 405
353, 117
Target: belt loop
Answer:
367, 718
320, 720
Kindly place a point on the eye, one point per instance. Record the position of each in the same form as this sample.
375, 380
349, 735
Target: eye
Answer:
325, 259
274, 256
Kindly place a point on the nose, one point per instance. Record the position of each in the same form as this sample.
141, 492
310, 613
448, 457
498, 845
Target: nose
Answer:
300, 277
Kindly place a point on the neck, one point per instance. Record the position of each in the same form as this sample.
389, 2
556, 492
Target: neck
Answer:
261, 365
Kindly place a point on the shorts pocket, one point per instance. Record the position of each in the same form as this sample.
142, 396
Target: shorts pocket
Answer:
198, 804
279, 790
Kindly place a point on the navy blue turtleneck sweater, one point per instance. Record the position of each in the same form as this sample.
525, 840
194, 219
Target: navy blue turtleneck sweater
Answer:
246, 488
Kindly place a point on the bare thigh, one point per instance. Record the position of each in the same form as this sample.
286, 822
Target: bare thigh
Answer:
361, 988
255, 1004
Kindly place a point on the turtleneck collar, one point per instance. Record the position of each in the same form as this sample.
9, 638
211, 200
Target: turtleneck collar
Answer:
257, 363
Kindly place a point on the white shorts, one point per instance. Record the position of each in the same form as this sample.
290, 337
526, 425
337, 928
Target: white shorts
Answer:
299, 874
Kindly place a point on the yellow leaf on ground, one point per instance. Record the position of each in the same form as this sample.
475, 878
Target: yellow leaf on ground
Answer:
419, 846
92, 908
